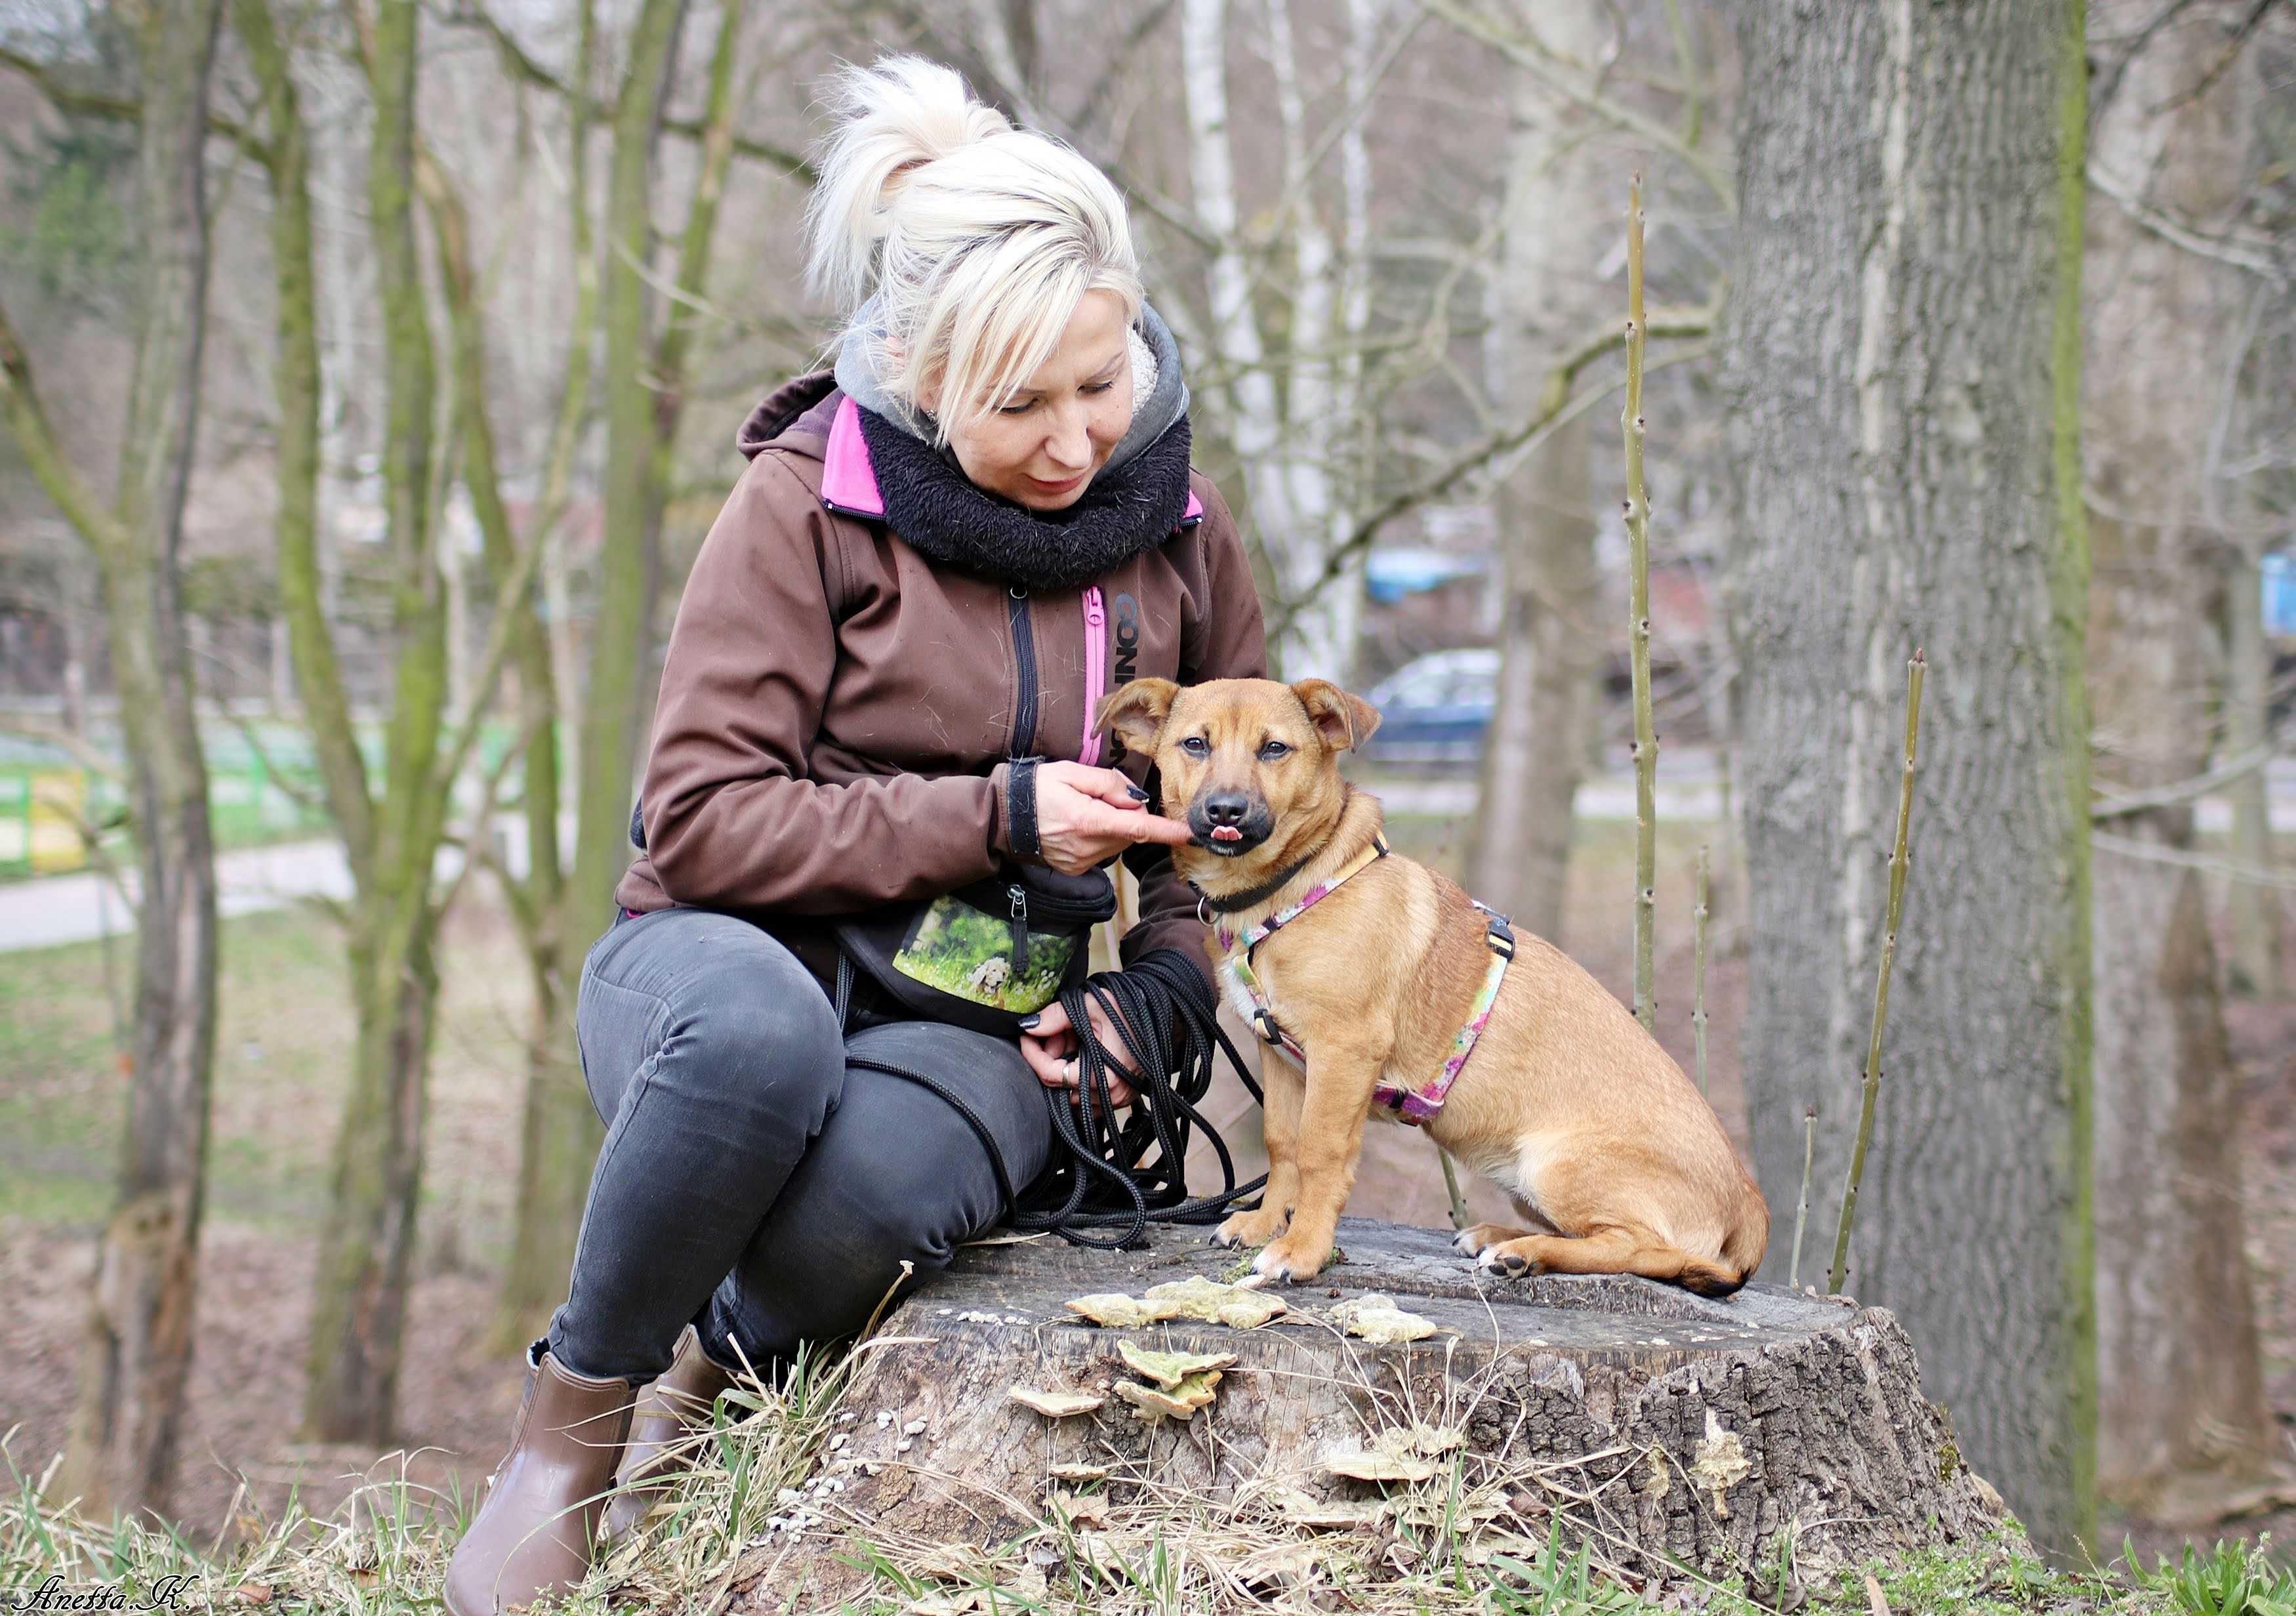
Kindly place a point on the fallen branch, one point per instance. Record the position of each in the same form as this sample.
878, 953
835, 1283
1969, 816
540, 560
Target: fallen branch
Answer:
1914, 669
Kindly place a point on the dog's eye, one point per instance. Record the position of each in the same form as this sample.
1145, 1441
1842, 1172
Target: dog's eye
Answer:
1196, 746
1273, 751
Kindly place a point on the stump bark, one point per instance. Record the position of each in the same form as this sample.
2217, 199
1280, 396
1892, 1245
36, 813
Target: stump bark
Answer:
1672, 1434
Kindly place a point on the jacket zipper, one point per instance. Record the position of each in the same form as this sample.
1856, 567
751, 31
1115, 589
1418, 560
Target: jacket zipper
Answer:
1096, 671
1024, 664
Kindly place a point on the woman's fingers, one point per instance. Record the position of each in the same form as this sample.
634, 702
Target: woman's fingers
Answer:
1052, 1070
1085, 816
1050, 1049
1101, 820
1052, 1018
1109, 785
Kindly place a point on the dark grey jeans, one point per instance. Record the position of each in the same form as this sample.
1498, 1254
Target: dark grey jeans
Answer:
752, 1182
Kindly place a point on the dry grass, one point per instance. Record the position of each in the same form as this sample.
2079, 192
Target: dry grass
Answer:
759, 1507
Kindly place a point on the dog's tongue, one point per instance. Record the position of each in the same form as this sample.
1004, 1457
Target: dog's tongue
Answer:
1226, 832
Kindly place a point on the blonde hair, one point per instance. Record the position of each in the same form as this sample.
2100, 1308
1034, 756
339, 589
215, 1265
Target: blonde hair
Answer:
978, 239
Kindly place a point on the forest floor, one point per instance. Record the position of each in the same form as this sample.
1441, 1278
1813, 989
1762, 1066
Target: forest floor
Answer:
281, 1066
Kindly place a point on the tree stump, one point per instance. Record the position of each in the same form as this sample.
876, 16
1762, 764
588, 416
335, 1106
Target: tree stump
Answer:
1669, 1433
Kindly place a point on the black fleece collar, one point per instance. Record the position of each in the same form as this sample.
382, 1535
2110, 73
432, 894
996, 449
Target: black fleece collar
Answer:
937, 510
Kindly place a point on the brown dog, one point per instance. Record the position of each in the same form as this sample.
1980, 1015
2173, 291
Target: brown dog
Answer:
1615, 1161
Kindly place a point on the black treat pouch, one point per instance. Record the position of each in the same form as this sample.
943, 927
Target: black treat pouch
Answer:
986, 955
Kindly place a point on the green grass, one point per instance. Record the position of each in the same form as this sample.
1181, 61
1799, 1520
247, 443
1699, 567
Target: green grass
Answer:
283, 1066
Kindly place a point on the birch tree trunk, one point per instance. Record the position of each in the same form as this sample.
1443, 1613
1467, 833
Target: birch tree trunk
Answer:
1551, 633
1291, 441
120, 1452
2172, 1265
1903, 354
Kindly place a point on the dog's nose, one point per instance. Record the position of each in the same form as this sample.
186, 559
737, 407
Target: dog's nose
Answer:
1228, 808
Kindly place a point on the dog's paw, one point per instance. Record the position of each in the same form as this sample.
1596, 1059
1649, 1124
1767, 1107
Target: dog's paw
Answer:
1255, 1228
1295, 1261
1507, 1257
1477, 1238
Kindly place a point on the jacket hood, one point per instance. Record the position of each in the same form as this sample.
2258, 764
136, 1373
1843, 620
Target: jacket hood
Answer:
782, 410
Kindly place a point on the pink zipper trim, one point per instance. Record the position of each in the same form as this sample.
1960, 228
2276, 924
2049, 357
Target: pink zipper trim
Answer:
1096, 671
848, 481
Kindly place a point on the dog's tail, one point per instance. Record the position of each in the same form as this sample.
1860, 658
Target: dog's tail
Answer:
1743, 1246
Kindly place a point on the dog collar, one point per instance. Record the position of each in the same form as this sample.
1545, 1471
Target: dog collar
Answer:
1236, 946
1229, 904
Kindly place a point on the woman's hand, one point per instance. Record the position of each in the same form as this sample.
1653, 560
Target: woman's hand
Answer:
1085, 816
1049, 1046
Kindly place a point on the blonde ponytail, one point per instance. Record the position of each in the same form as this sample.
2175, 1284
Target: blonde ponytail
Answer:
976, 238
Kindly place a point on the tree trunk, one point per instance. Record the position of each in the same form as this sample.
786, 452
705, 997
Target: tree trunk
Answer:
629, 565
2172, 1265
120, 1454
1903, 355
1667, 1432
645, 384
2248, 696
366, 1247
1551, 635
559, 1132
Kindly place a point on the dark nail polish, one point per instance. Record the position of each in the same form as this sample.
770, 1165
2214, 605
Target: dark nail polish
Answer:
1029, 1022
1138, 794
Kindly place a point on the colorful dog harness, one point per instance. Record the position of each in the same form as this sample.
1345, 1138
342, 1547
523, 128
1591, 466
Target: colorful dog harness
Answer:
1414, 1107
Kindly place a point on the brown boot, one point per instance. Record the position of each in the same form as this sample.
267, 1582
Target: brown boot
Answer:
669, 1413
537, 1528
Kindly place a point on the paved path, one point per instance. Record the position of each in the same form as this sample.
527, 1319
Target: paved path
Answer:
49, 910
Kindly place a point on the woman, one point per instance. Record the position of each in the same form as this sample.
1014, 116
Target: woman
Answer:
878, 690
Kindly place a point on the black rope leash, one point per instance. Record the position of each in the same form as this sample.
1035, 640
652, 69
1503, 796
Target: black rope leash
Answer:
1123, 1175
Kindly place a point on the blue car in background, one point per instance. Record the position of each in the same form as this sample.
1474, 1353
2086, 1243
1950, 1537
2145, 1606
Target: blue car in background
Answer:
1435, 708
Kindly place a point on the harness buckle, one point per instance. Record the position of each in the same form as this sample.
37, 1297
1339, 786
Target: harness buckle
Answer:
1497, 932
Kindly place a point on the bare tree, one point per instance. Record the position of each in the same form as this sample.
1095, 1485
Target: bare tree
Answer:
392, 829
121, 1454
2163, 324
1903, 372
649, 351
1551, 634
1291, 408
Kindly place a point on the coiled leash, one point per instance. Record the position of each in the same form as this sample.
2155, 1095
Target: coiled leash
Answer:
1108, 1174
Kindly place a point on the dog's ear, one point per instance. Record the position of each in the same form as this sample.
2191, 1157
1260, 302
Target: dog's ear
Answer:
1344, 721
1136, 712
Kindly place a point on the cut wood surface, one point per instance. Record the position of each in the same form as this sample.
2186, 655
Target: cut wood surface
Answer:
1674, 1434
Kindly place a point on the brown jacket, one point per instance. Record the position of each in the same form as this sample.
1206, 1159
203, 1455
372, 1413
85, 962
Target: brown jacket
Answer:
834, 707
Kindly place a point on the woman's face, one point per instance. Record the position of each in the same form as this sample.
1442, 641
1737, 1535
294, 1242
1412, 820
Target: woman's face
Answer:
1044, 448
